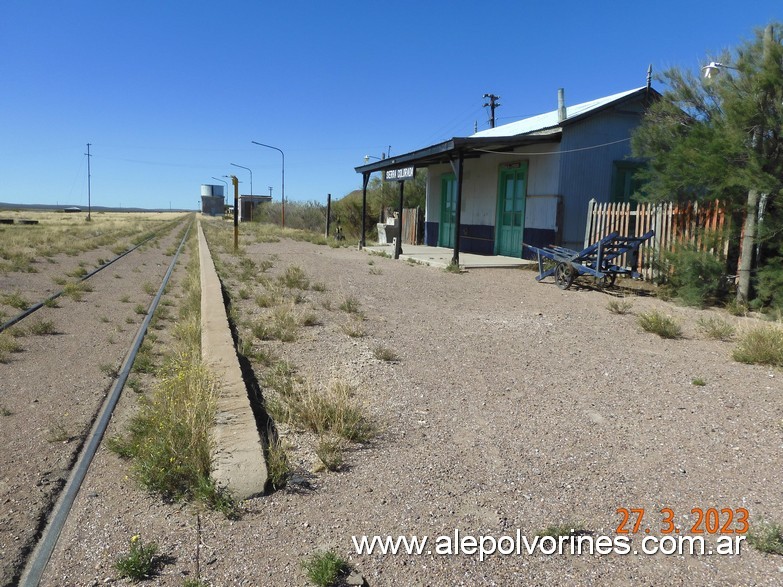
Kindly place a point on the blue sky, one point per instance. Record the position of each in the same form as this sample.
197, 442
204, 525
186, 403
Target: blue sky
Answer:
170, 92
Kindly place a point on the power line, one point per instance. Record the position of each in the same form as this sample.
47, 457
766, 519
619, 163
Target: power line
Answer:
554, 152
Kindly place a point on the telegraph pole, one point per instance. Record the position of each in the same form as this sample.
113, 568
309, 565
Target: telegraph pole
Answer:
89, 208
493, 103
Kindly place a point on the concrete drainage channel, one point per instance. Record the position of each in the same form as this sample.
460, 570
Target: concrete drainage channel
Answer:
238, 460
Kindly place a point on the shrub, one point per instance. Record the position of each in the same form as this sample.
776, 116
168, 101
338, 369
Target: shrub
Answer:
277, 466
761, 346
716, 328
383, 353
697, 277
350, 305
557, 530
353, 328
619, 306
769, 285
325, 568
295, 278
766, 537
332, 410
663, 326
330, 453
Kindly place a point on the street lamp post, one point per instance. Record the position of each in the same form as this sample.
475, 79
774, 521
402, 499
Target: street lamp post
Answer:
713, 68
223, 180
251, 187
283, 182
251, 175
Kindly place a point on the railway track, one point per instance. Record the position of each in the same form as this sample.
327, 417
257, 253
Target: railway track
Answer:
37, 306
36, 488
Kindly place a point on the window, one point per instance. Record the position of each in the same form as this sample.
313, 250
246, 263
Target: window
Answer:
624, 180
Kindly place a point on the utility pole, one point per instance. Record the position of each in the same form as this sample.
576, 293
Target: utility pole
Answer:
89, 207
493, 103
751, 209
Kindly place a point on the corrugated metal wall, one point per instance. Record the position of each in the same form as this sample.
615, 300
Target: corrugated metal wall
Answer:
587, 174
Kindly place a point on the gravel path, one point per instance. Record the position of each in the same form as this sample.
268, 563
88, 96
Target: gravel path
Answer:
513, 406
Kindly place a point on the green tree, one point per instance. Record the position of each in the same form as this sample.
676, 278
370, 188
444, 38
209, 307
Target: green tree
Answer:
380, 195
719, 137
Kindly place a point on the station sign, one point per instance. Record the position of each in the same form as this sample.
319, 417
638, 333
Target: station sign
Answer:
400, 174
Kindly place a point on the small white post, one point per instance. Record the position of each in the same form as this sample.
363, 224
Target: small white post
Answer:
588, 224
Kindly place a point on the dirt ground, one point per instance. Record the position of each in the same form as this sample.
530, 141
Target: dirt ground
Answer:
514, 407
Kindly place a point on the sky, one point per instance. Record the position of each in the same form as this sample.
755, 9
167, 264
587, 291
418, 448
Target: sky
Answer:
169, 93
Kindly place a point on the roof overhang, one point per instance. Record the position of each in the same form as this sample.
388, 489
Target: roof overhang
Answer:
472, 147
467, 147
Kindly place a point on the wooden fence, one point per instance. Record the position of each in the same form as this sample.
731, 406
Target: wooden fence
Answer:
704, 226
411, 227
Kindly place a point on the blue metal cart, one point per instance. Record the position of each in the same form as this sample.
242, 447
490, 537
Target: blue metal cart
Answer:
598, 260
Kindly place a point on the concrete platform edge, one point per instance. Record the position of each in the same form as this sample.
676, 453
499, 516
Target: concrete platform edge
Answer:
238, 458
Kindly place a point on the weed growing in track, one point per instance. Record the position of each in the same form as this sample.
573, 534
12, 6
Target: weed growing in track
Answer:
15, 300
169, 438
109, 370
43, 327
7, 346
141, 561
76, 290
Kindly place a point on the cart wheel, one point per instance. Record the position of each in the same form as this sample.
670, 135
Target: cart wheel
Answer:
564, 275
607, 280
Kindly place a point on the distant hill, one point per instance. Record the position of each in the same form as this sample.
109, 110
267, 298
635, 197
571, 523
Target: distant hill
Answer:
61, 207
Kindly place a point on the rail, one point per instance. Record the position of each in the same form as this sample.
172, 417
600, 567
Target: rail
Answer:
36, 565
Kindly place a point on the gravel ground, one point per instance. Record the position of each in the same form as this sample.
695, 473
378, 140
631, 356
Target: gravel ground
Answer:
513, 406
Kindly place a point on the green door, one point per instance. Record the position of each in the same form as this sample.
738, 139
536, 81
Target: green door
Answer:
448, 210
511, 211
